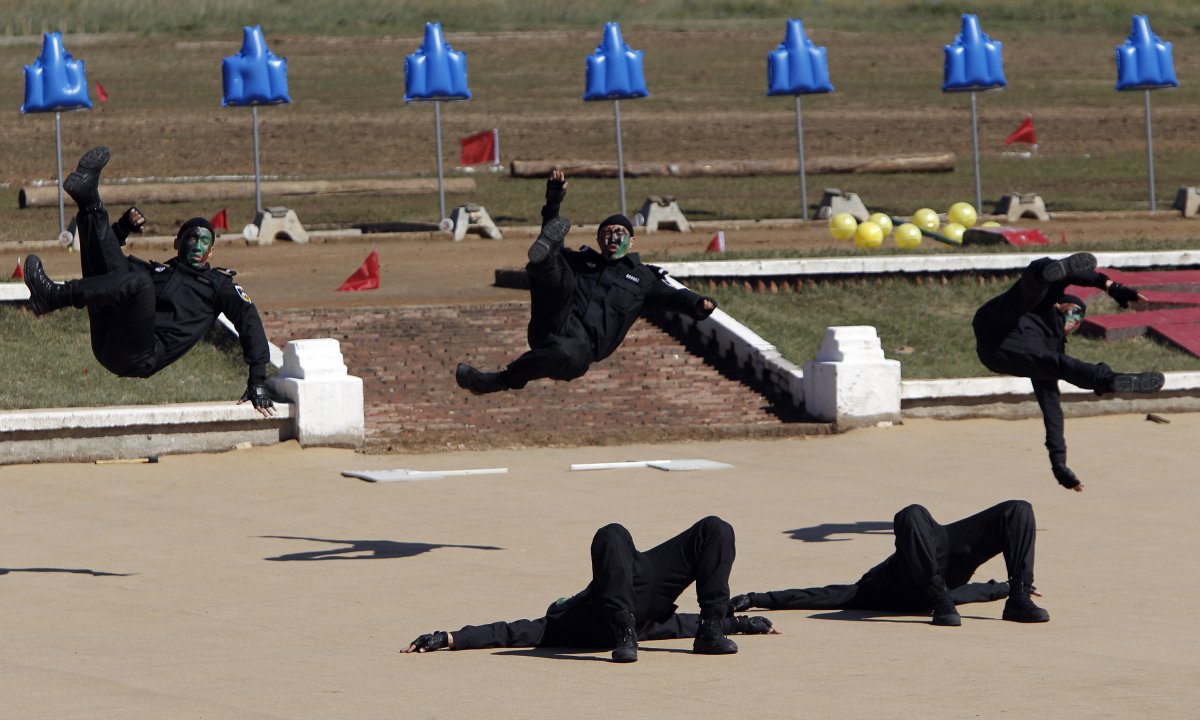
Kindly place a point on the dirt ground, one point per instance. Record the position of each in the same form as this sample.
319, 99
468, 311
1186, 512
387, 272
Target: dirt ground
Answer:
261, 584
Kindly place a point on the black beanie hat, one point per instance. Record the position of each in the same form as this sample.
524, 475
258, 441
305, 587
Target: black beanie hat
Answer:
195, 222
1074, 300
617, 219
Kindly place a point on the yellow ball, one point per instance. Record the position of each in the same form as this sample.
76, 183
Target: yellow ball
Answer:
963, 214
926, 218
883, 221
868, 236
991, 223
908, 236
842, 226
954, 231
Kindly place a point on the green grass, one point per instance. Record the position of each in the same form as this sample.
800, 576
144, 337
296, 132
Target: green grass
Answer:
927, 327
48, 363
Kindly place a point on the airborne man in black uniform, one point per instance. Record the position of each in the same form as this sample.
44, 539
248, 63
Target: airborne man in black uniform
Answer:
1023, 332
146, 315
582, 302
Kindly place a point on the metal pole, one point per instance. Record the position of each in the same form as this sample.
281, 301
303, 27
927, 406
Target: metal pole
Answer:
495, 149
620, 155
1150, 152
62, 218
258, 206
803, 180
975, 145
437, 120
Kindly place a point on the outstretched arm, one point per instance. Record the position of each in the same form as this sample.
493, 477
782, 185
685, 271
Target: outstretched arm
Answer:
520, 633
255, 349
131, 221
676, 298
1050, 401
556, 192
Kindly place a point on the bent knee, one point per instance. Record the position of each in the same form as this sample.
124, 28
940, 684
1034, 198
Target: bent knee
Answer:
613, 532
912, 515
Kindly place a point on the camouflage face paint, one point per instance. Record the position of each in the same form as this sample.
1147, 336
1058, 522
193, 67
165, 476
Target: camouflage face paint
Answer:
195, 247
614, 241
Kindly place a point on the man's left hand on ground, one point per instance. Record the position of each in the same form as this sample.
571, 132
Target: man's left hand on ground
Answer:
260, 398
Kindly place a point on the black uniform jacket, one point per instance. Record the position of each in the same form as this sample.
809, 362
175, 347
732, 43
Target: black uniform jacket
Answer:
187, 304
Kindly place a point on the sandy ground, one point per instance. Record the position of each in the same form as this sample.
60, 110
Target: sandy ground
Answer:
261, 584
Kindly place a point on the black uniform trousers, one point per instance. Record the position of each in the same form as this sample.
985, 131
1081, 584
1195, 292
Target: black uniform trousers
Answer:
120, 300
925, 552
558, 346
1003, 347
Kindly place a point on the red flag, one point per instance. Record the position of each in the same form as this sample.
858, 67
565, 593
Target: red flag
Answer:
1024, 133
19, 273
220, 221
103, 96
366, 277
717, 244
479, 148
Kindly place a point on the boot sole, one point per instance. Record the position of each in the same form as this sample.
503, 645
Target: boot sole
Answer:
1026, 618
947, 620
90, 165
1145, 383
1068, 267
553, 233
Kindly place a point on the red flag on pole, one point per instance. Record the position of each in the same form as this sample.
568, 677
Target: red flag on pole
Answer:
479, 148
717, 244
220, 221
366, 277
19, 273
1024, 133
103, 96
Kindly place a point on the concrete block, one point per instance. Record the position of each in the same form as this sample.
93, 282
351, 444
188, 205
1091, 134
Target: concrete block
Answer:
276, 223
1015, 206
835, 201
473, 218
328, 402
850, 383
1187, 201
663, 211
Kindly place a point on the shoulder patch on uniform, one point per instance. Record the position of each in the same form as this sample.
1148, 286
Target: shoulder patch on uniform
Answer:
226, 271
242, 293
661, 272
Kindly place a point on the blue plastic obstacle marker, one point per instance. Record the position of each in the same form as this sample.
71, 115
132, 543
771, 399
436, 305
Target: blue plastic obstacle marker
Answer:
255, 76
797, 66
1144, 60
973, 61
614, 71
55, 81
436, 71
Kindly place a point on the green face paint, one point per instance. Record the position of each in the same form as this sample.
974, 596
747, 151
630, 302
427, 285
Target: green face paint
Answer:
194, 248
614, 241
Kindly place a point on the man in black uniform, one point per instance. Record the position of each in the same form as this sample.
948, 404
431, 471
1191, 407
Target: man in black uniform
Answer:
931, 569
146, 315
1023, 332
631, 597
582, 303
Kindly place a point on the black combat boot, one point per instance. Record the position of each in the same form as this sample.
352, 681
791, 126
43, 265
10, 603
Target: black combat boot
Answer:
83, 185
1020, 608
1068, 267
1145, 382
624, 629
479, 383
45, 295
550, 240
944, 612
710, 638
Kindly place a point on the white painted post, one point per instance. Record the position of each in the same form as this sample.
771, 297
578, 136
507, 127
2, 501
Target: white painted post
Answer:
850, 383
328, 401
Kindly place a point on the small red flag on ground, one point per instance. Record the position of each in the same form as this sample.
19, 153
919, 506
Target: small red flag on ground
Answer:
366, 277
1024, 133
479, 148
220, 221
19, 273
100, 93
717, 244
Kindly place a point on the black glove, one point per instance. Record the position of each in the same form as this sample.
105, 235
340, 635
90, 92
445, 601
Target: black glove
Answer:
1064, 476
131, 221
701, 311
556, 191
258, 396
757, 625
436, 640
1123, 294
741, 603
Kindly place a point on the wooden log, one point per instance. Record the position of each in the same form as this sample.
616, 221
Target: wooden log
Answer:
132, 193
933, 162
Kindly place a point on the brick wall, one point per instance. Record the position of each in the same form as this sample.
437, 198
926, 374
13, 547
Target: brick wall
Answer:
652, 388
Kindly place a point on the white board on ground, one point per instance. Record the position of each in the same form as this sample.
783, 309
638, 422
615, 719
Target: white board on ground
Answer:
683, 464
404, 474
